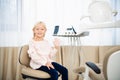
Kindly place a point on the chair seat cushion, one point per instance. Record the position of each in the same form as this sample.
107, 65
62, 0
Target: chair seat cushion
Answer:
34, 73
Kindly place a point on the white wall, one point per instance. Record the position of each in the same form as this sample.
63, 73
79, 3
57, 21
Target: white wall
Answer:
56, 12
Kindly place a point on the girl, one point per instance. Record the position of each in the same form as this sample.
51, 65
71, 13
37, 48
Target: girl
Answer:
41, 53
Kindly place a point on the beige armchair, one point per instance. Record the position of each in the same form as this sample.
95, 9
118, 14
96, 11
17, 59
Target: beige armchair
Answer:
27, 71
109, 70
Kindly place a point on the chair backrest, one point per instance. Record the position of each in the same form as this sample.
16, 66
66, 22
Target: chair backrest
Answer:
24, 58
111, 64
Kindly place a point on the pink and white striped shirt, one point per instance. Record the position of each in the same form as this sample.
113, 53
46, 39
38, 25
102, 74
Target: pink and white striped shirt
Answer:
40, 53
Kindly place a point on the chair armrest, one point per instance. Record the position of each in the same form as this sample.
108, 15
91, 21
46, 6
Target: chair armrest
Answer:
94, 67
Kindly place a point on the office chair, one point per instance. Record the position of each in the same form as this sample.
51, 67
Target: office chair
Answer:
27, 71
110, 68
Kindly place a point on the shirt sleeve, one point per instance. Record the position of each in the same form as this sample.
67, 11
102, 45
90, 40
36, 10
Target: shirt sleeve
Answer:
33, 54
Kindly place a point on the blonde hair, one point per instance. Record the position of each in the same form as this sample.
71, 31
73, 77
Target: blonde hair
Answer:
39, 23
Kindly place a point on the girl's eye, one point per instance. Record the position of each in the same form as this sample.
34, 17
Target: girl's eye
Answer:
36, 29
40, 29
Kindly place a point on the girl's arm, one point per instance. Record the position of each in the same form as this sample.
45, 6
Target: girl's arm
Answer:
54, 49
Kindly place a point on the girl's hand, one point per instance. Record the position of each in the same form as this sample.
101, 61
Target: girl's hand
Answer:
56, 42
49, 65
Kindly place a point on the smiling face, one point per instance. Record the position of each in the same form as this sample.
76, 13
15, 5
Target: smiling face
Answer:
39, 30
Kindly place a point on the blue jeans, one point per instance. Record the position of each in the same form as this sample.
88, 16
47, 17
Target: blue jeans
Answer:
54, 72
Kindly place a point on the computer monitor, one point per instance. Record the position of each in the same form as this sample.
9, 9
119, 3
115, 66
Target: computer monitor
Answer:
56, 29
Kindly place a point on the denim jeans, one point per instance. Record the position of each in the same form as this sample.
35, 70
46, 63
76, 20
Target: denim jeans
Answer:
54, 72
